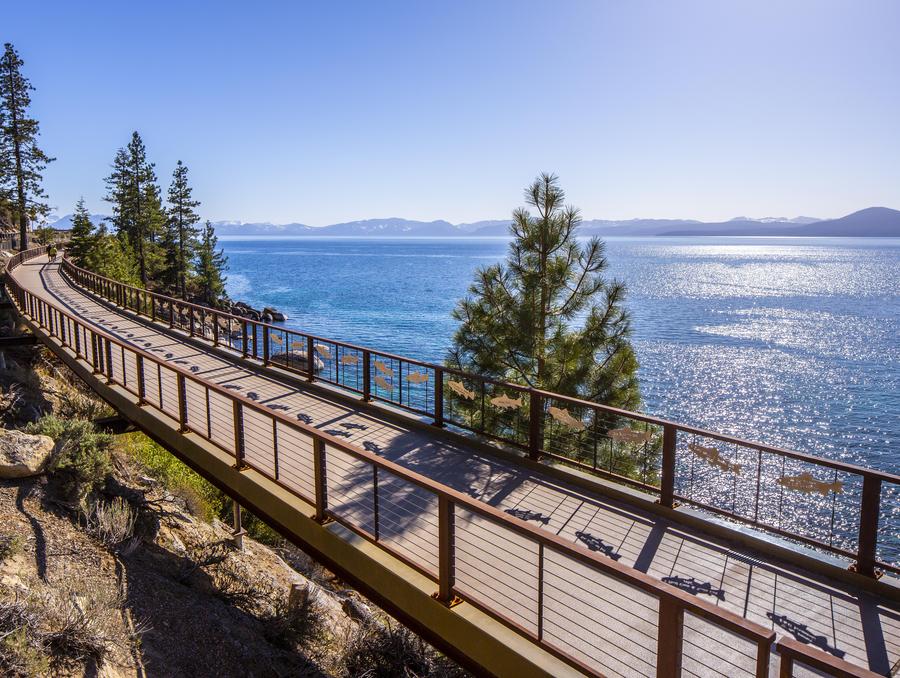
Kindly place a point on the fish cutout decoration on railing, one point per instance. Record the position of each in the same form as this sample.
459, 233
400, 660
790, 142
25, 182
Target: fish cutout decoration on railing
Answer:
384, 383
298, 345
417, 377
629, 435
323, 351
504, 402
275, 338
459, 389
806, 484
712, 457
563, 417
384, 369
349, 360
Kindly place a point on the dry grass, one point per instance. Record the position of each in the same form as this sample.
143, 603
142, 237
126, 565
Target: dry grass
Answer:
57, 627
111, 522
387, 650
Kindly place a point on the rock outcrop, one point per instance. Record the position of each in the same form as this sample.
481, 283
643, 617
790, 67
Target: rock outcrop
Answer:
23, 454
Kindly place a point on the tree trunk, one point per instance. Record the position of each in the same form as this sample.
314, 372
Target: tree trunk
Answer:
17, 153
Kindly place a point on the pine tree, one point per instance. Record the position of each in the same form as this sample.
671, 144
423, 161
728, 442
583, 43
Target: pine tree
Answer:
82, 236
137, 207
180, 241
21, 161
111, 256
211, 265
548, 318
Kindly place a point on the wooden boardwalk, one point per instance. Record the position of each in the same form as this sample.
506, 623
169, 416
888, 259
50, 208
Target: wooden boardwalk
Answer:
827, 614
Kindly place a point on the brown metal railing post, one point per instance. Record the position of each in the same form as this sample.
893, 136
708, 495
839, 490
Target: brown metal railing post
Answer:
215, 319
237, 412
445, 550
77, 339
62, 329
191, 322
94, 354
142, 388
867, 543
310, 359
244, 339
535, 424
182, 403
265, 344
669, 638
786, 666
667, 472
109, 363
171, 314
255, 342
367, 376
439, 397
763, 653
319, 476
152, 307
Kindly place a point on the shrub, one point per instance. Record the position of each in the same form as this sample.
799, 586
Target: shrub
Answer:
10, 546
292, 623
19, 657
383, 651
111, 522
51, 628
82, 462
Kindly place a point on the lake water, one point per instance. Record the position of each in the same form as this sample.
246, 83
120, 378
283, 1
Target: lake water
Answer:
791, 341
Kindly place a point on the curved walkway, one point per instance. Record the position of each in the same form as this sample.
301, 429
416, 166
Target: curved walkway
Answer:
829, 615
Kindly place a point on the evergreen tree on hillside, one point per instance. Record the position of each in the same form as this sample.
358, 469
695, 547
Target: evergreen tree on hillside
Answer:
211, 265
21, 160
548, 318
180, 240
111, 256
137, 208
81, 237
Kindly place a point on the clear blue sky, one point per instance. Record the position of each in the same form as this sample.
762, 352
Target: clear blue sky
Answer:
334, 111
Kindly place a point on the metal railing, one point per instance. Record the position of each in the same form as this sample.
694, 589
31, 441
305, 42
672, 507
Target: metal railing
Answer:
587, 609
795, 654
844, 509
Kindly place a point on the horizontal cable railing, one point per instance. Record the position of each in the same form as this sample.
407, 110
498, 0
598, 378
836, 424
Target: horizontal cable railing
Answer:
841, 508
589, 610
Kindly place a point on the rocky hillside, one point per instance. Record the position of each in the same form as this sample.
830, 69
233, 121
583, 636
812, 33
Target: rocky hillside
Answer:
114, 561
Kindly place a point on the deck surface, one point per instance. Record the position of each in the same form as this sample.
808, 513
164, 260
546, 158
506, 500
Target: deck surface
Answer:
827, 614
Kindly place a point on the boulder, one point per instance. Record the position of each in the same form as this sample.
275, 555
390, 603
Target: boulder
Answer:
296, 360
276, 315
23, 454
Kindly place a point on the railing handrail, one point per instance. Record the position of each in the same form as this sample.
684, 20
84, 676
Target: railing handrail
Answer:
638, 416
645, 582
792, 650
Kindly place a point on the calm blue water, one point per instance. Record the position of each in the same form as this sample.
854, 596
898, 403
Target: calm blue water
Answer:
794, 342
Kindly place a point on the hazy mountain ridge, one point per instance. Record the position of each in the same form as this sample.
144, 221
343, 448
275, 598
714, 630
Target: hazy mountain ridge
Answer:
869, 222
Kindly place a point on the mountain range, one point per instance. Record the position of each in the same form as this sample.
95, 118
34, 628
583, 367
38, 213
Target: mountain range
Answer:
870, 222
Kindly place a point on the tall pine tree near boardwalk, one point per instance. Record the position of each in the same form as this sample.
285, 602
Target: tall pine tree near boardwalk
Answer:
211, 265
180, 240
137, 206
82, 236
548, 318
21, 160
